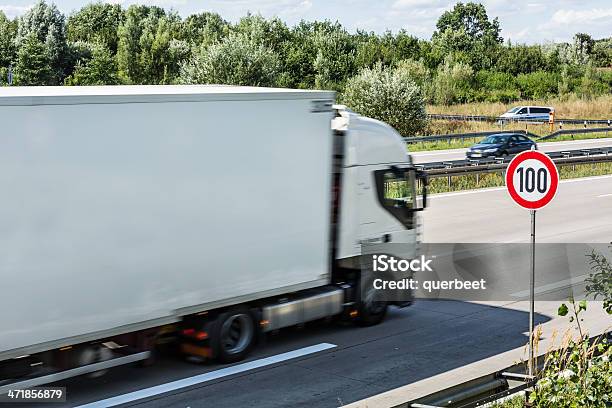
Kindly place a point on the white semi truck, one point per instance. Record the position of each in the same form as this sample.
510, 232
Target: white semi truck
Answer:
209, 214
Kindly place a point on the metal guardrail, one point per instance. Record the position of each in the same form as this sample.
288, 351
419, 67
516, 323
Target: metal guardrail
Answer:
485, 389
469, 135
484, 118
472, 165
574, 132
475, 135
453, 168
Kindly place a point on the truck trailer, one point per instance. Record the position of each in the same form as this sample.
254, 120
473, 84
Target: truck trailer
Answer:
205, 214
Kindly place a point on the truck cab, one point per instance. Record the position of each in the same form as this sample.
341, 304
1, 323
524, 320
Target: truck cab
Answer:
382, 192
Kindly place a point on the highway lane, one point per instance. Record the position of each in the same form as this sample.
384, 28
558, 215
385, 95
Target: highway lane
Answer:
580, 212
413, 344
459, 154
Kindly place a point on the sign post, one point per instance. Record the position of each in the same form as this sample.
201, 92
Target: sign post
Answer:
531, 180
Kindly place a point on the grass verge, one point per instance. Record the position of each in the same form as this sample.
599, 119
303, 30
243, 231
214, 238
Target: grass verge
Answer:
472, 182
462, 143
572, 107
515, 402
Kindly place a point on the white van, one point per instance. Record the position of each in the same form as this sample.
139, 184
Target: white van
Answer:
528, 113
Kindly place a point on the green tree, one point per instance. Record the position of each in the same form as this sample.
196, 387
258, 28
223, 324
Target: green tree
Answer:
602, 53
145, 53
370, 50
33, 63
236, 60
452, 83
418, 72
204, 29
389, 95
272, 34
335, 60
520, 59
99, 69
582, 48
8, 32
467, 30
96, 23
48, 25
156, 54
300, 55
8, 52
540, 84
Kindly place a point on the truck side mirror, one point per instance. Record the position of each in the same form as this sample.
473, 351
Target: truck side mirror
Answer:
421, 190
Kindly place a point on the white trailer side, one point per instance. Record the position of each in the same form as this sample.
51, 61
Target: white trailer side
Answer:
126, 207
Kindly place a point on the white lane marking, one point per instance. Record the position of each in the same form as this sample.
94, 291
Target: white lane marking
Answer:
460, 193
438, 152
202, 378
574, 180
604, 195
486, 190
602, 140
566, 283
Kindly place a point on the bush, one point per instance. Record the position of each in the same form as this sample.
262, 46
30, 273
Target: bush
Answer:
578, 374
591, 84
99, 69
389, 95
599, 282
496, 87
538, 85
452, 83
236, 60
495, 80
420, 74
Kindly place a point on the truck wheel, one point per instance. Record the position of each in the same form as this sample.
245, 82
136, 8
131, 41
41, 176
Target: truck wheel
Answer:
232, 335
94, 353
372, 310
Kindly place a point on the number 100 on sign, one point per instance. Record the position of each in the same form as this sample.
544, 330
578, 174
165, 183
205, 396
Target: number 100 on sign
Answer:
532, 179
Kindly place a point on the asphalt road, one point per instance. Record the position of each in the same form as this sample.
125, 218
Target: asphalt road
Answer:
580, 212
413, 344
459, 154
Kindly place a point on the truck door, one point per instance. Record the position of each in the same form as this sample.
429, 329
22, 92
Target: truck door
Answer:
387, 206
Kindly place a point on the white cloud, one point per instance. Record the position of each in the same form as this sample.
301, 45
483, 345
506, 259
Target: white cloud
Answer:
234, 9
14, 11
160, 3
563, 17
415, 5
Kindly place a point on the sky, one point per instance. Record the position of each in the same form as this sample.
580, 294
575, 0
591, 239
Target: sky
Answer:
522, 21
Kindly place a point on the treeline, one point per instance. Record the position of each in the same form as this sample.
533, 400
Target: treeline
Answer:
466, 59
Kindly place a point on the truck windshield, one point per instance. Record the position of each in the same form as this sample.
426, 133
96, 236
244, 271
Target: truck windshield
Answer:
397, 190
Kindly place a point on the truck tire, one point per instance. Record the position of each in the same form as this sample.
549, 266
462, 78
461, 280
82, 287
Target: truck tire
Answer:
372, 310
232, 335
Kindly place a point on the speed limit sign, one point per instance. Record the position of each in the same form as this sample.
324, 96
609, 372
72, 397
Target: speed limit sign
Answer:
532, 179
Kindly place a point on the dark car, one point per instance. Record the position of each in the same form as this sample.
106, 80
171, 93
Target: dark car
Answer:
502, 144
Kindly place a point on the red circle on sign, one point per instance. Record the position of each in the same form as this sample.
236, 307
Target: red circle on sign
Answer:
550, 166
